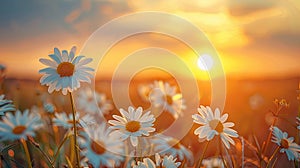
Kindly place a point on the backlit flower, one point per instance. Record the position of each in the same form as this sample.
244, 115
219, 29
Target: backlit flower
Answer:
286, 144
214, 124
167, 161
101, 147
165, 95
133, 124
170, 146
19, 126
5, 105
146, 163
65, 71
93, 102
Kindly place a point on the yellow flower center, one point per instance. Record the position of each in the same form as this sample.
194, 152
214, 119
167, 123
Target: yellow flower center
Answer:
174, 143
284, 143
98, 147
19, 129
133, 126
169, 99
216, 125
65, 69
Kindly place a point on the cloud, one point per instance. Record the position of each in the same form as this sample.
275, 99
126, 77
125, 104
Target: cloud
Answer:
245, 7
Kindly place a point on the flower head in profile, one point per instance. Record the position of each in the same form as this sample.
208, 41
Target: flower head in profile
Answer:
133, 124
166, 145
101, 147
285, 143
65, 71
66, 121
49, 108
19, 126
93, 102
214, 124
163, 94
5, 105
166, 161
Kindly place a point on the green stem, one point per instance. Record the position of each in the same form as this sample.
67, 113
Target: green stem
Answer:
273, 155
202, 156
40, 149
75, 130
265, 146
59, 148
26, 152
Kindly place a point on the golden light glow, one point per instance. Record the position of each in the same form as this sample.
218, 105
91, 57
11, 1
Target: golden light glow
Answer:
205, 62
243, 33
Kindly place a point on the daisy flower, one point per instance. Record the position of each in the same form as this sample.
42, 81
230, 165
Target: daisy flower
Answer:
19, 126
144, 92
171, 146
165, 95
146, 163
167, 162
5, 105
214, 162
133, 124
214, 124
286, 144
101, 147
66, 121
65, 71
49, 108
92, 102
298, 123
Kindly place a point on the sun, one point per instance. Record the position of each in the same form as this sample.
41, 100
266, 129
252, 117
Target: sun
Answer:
205, 62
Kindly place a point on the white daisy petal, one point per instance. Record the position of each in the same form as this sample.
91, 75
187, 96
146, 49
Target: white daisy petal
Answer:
134, 140
224, 118
48, 62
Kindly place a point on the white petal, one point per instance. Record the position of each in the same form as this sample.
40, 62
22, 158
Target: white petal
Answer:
217, 114
134, 140
224, 117
228, 124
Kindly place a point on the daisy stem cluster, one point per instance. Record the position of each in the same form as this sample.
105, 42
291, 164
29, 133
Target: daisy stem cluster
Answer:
59, 148
279, 106
75, 131
43, 152
272, 156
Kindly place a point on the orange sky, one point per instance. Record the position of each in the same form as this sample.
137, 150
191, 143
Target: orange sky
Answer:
254, 38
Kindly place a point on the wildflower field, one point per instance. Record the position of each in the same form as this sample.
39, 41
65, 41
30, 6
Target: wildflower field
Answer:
38, 123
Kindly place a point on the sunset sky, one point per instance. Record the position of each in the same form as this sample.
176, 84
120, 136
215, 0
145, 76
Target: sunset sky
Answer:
254, 38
